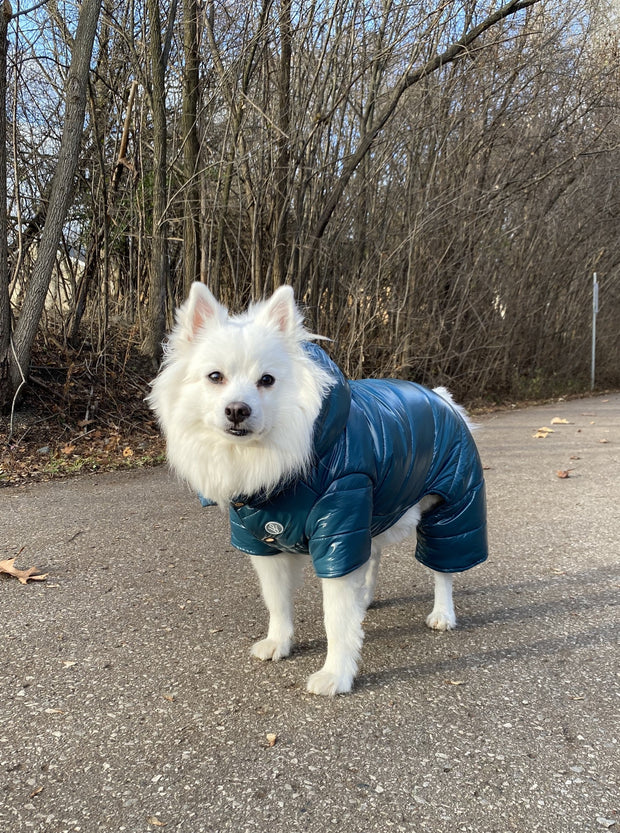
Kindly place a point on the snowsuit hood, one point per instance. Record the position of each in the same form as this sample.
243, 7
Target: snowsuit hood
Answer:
380, 446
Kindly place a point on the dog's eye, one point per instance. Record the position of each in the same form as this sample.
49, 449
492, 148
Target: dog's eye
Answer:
266, 381
216, 377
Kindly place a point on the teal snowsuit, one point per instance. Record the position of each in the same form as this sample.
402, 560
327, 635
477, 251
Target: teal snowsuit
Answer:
380, 447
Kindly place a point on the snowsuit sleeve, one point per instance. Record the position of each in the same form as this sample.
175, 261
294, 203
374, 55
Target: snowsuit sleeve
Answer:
338, 526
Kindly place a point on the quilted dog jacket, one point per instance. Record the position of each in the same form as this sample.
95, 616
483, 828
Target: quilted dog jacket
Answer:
380, 447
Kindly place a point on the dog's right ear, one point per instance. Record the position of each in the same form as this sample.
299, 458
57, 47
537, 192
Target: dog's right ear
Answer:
199, 310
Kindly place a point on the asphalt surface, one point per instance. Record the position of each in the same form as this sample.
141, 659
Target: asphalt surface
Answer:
130, 701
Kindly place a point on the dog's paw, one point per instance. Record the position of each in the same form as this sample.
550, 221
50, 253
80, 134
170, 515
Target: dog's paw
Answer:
270, 649
441, 620
328, 684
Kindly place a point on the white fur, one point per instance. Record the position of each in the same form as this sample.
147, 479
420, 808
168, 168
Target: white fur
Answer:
280, 576
191, 408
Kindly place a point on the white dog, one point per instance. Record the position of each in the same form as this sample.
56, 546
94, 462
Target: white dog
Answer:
259, 419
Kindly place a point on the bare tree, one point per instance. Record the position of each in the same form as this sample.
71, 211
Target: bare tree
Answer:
5, 305
158, 51
191, 145
436, 181
59, 202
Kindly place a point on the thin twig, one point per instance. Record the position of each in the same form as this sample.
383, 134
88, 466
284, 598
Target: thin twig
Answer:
21, 385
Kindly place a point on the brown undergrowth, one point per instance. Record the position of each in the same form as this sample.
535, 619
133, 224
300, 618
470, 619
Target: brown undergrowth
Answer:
81, 411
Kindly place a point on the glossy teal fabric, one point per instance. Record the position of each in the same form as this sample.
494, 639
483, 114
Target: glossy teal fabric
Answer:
381, 446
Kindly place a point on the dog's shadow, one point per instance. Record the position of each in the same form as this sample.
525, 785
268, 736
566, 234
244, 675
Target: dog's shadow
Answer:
459, 665
406, 629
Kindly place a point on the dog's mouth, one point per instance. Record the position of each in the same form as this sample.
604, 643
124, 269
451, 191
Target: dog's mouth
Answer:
238, 432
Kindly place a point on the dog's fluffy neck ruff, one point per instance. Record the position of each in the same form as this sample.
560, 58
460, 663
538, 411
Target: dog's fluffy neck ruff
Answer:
226, 472
218, 466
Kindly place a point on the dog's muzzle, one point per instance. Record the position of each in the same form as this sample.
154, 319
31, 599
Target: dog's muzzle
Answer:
236, 414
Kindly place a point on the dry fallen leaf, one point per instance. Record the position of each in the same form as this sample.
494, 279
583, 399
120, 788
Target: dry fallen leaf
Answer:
127, 452
23, 576
271, 738
564, 474
454, 682
603, 441
559, 421
156, 822
542, 433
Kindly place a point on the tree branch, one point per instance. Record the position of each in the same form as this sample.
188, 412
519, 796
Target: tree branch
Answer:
451, 54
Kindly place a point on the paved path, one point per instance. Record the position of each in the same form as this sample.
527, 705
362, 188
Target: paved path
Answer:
129, 701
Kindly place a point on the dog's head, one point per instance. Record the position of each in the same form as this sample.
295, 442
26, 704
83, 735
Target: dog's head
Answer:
241, 367
239, 390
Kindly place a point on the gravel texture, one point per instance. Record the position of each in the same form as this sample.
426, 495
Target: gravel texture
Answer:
130, 701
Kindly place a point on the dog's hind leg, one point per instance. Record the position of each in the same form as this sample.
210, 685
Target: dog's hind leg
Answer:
370, 576
280, 575
344, 608
442, 616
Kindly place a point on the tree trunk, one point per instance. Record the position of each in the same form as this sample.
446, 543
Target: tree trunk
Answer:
281, 195
159, 243
191, 147
60, 197
5, 304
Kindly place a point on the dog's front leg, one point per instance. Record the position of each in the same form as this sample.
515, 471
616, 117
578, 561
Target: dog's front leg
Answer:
279, 575
442, 616
344, 607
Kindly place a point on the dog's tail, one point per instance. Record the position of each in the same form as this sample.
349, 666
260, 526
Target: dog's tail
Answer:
445, 394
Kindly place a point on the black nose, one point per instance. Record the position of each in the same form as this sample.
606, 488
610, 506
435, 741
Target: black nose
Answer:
237, 412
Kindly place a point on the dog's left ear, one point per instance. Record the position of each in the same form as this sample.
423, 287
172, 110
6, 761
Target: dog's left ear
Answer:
282, 311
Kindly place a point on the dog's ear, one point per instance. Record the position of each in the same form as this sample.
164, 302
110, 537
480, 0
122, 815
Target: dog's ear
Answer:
282, 311
200, 309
